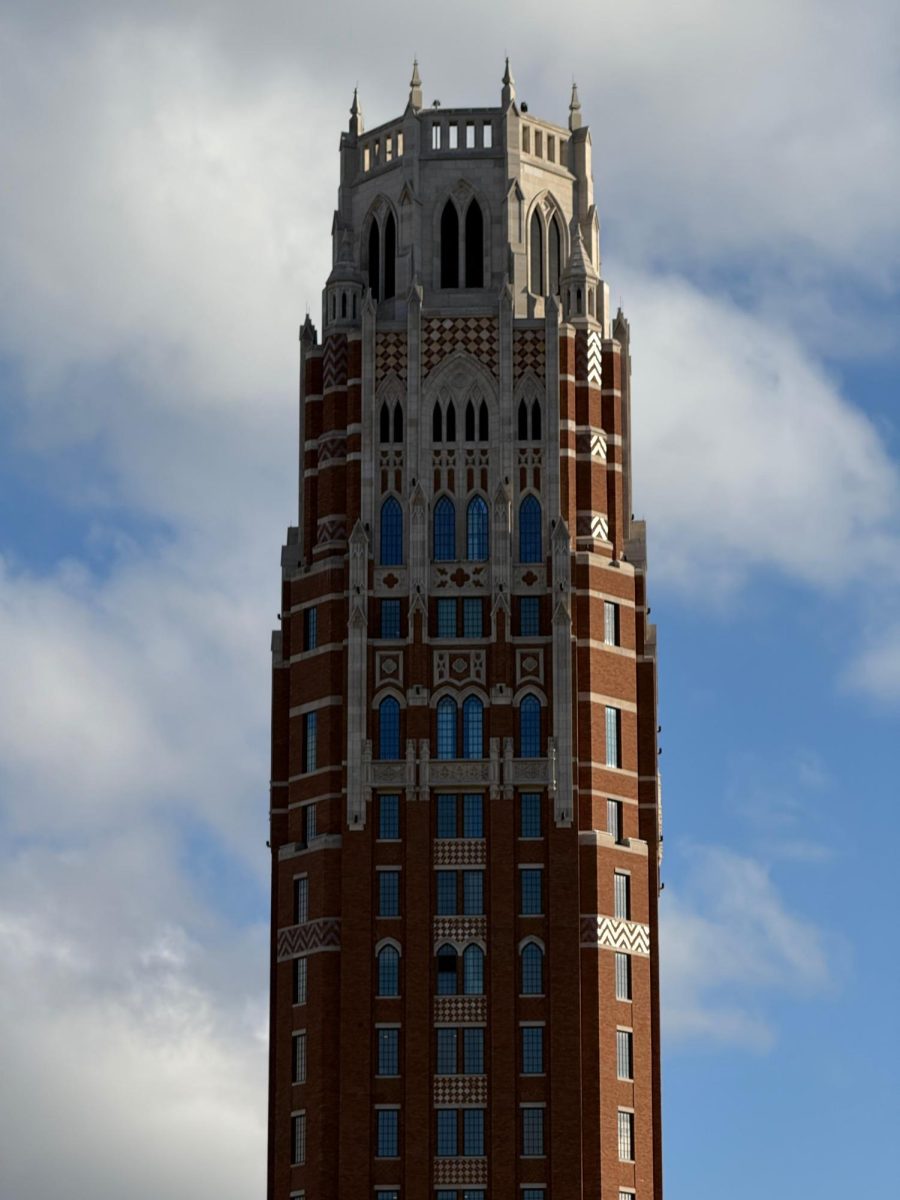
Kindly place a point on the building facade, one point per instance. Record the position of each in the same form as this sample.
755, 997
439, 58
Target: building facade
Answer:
465, 804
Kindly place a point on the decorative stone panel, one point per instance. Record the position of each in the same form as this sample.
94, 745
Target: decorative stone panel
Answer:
332, 448
460, 852
530, 577
389, 774
460, 1172
459, 666
298, 941
388, 667
390, 355
628, 936
334, 367
528, 352
452, 1090
476, 335
460, 1010
390, 581
529, 666
459, 929
331, 529
447, 577
458, 772
530, 770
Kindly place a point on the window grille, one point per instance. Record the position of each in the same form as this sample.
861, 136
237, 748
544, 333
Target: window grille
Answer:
531, 886
447, 1122
473, 893
473, 722
614, 818
446, 1052
389, 893
473, 815
299, 1058
477, 528
473, 971
622, 896
626, 1136
532, 1050
391, 533
532, 1131
530, 815
473, 1132
298, 1139
624, 1054
388, 971
613, 728
530, 549
446, 971
446, 816
529, 616
623, 976
310, 628
389, 817
473, 624
446, 612
444, 530
388, 1051
388, 1132
390, 618
309, 822
530, 727
301, 900
610, 623
389, 729
446, 893
473, 1051
300, 980
532, 970
309, 741
446, 728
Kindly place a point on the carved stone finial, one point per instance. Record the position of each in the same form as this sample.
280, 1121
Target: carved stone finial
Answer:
574, 108
415, 88
356, 114
508, 94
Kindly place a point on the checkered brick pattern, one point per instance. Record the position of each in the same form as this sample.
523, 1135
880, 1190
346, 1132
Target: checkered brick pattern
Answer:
460, 1089
460, 1172
459, 929
460, 1010
529, 353
476, 335
390, 355
460, 852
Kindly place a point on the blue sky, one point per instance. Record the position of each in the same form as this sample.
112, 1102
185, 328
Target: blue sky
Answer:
169, 174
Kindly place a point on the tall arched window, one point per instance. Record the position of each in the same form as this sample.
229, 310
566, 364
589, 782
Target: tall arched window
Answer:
473, 971
536, 421
532, 970
384, 423
444, 530
470, 422
477, 530
390, 256
554, 254
374, 260
537, 255
530, 727
482, 422
451, 422
473, 728
437, 423
530, 530
523, 421
398, 422
388, 971
389, 729
446, 727
474, 246
446, 970
449, 246
391, 533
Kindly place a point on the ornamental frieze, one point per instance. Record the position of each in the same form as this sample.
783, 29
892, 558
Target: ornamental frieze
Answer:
614, 934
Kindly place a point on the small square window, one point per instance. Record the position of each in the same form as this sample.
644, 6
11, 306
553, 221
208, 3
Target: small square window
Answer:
390, 618
473, 612
529, 616
446, 614
389, 818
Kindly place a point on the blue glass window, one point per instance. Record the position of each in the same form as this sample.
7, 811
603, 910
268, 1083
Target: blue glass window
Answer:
530, 531
388, 1052
473, 727
532, 1050
389, 728
444, 530
532, 970
310, 729
473, 893
388, 1132
446, 816
473, 1131
473, 624
446, 1052
473, 815
389, 817
613, 737
390, 618
530, 727
446, 728
389, 893
532, 1131
532, 901
446, 971
473, 1051
477, 530
530, 815
446, 614
391, 533
310, 628
473, 971
446, 1132
388, 971
446, 893
529, 616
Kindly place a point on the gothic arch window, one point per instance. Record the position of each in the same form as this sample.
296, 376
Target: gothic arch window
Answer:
388, 960
530, 550
473, 971
482, 422
473, 728
449, 246
537, 255
389, 729
398, 423
470, 421
390, 256
530, 727
523, 421
451, 422
474, 246
536, 420
343, 304
437, 423
554, 256
477, 530
384, 424
391, 533
446, 970
446, 727
374, 259
532, 958
444, 530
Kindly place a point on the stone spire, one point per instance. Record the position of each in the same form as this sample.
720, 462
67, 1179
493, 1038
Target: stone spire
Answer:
356, 115
508, 94
574, 108
415, 88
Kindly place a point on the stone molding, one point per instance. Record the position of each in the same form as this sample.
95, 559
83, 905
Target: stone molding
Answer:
312, 937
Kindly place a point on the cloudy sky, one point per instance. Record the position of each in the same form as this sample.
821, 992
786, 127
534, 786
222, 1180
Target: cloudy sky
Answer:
167, 178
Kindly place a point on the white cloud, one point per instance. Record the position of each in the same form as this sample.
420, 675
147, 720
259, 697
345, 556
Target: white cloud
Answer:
728, 944
875, 670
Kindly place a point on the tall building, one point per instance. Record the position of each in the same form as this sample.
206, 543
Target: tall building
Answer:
465, 822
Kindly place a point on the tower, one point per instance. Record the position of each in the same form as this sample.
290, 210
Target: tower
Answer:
465, 804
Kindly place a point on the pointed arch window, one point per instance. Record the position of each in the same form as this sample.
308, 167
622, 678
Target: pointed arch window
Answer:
473, 728
473, 971
389, 729
530, 550
446, 727
390, 257
554, 255
523, 421
537, 255
474, 246
388, 971
391, 533
384, 423
532, 970
374, 260
451, 422
449, 246
477, 530
446, 970
470, 421
530, 727
437, 423
482, 422
536, 421
398, 423
444, 530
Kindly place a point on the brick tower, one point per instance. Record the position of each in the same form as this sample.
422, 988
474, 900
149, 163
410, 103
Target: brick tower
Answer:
465, 821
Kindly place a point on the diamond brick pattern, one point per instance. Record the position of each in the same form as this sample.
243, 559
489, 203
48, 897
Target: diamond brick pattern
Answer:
460, 1010
297, 941
390, 355
476, 335
460, 1172
459, 929
460, 1089
628, 936
529, 352
460, 852
334, 367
